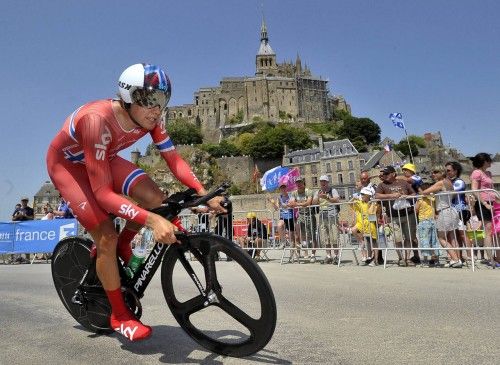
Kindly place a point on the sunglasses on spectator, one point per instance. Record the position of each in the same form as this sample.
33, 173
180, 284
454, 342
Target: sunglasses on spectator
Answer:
436, 172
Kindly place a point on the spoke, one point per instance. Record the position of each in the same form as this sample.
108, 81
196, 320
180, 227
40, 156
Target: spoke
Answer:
237, 313
191, 306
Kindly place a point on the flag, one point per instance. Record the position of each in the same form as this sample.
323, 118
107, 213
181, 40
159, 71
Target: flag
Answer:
397, 120
256, 174
271, 178
289, 179
387, 147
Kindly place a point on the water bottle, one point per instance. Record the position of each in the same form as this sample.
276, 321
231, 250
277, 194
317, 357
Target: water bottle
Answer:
140, 250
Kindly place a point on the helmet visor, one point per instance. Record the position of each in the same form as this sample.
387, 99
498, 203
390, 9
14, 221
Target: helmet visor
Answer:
150, 98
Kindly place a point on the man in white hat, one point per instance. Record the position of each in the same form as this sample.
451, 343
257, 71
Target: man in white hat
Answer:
326, 197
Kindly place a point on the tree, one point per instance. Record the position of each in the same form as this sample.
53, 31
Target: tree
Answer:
183, 132
415, 143
354, 127
270, 141
224, 148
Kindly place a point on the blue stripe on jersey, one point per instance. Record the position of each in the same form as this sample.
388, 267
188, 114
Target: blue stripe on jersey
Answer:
130, 179
72, 131
165, 145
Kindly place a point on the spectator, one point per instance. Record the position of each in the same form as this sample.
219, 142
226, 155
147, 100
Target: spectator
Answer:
328, 217
305, 229
48, 211
447, 219
286, 221
426, 229
475, 229
453, 172
481, 179
23, 212
410, 175
398, 207
224, 224
365, 229
63, 210
201, 212
256, 235
365, 182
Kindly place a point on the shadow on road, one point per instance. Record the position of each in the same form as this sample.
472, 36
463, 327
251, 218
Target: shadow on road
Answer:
175, 347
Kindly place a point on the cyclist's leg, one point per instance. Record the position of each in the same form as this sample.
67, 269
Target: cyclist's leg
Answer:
132, 181
72, 182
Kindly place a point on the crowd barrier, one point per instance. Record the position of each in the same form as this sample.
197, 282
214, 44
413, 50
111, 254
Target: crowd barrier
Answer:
36, 236
385, 232
324, 233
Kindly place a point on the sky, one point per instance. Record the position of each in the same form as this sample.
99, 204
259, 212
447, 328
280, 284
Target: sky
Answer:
434, 61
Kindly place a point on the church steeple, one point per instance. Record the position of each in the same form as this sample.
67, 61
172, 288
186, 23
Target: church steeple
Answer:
263, 31
265, 60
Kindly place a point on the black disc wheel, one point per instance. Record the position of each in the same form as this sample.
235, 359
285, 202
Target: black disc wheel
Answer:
90, 306
225, 301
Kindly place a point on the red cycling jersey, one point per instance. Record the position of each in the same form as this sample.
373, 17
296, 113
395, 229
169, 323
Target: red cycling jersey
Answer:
83, 164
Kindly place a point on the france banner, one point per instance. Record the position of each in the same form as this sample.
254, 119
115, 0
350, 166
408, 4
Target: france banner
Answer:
270, 180
35, 236
397, 120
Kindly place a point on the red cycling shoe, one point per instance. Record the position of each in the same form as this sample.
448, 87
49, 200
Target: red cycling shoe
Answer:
130, 327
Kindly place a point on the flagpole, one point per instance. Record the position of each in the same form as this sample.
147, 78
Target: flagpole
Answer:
409, 147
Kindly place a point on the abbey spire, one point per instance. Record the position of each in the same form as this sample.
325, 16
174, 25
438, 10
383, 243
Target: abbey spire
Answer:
265, 60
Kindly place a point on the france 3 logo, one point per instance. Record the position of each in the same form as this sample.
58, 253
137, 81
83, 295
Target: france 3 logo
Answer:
67, 230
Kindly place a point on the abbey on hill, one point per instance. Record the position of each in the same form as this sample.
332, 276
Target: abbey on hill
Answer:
286, 92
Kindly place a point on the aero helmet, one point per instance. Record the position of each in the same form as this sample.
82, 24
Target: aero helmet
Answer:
145, 85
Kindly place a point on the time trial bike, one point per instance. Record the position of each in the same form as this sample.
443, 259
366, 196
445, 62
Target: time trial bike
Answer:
196, 259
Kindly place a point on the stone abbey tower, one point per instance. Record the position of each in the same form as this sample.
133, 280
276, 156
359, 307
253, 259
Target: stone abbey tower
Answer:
286, 92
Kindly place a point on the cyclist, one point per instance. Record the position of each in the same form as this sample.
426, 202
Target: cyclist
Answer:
83, 164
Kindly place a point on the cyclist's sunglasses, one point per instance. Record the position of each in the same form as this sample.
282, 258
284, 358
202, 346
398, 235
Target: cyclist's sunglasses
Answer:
150, 99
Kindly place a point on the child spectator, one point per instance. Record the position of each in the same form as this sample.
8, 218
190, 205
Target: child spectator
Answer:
426, 229
365, 229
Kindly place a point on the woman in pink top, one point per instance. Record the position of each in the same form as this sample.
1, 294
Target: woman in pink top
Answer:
481, 179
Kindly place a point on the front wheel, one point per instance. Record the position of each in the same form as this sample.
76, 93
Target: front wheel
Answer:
253, 320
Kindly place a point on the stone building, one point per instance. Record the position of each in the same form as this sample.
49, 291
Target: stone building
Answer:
46, 194
339, 160
285, 91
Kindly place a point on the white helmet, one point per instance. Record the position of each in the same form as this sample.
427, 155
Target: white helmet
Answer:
146, 85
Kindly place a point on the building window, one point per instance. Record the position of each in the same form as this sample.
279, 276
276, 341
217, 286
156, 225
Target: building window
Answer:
314, 169
339, 166
314, 181
302, 170
351, 177
341, 179
328, 167
350, 165
361, 163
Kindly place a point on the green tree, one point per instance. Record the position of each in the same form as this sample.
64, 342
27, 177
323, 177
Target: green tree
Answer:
183, 132
224, 148
415, 143
270, 141
365, 127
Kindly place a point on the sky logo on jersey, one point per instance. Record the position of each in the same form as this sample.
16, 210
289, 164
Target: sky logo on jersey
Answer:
128, 211
100, 152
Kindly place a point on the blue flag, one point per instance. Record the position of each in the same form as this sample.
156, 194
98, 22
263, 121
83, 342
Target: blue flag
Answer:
397, 120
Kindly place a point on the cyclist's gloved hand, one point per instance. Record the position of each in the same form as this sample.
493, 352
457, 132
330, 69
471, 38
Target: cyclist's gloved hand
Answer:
163, 230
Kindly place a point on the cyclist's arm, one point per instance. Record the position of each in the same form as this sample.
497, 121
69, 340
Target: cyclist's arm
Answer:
95, 137
180, 168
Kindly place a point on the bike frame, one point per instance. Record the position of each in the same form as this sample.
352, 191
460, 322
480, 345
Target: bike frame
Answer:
146, 271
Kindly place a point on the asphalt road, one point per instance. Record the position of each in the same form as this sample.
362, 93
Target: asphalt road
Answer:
347, 315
